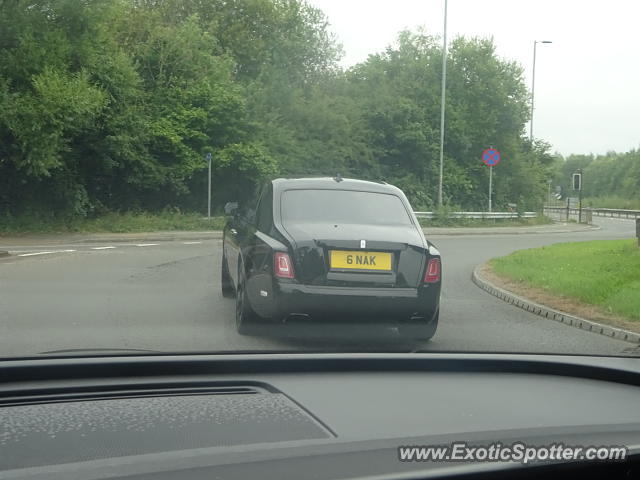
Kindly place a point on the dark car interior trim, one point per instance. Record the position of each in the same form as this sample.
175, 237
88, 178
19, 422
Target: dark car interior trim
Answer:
328, 390
612, 369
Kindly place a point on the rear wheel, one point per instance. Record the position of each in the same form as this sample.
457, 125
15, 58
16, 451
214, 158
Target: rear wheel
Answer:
419, 331
245, 316
225, 279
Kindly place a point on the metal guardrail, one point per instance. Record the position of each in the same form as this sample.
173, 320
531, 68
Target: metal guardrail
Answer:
482, 215
598, 212
612, 212
572, 211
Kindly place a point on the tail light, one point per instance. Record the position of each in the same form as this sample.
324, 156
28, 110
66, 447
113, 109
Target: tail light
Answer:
432, 275
282, 265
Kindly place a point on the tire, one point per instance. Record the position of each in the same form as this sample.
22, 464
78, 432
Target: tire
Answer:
245, 316
419, 331
225, 280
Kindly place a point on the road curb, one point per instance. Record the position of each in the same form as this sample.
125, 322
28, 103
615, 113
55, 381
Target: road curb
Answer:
550, 313
151, 237
444, 231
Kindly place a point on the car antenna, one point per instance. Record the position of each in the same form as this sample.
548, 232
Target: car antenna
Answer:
337, 178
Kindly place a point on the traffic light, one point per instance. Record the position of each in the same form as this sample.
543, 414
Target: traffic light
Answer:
577, 181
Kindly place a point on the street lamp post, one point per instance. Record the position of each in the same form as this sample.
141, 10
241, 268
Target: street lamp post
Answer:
209, 188
442, 99
533, 84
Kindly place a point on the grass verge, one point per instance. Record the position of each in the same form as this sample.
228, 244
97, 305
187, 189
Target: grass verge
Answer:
605, 274
478, 222
111, 223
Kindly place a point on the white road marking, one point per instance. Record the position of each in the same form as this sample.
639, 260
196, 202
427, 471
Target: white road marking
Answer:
101, 248
44, 253
146, 244
191, 243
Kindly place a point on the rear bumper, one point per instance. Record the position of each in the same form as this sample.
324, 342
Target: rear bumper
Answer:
328, 303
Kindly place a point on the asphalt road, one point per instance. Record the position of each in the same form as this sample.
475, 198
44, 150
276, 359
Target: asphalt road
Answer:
165, 296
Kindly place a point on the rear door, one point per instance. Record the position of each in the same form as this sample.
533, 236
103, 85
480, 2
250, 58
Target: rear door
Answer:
258, 254
259, 250
238, 233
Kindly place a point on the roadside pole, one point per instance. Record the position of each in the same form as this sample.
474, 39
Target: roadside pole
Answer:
490, 157
442, 104
209, 188
576, 180
490, 185
580, 199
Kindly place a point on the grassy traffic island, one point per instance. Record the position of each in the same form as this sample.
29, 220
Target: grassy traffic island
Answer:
596, 280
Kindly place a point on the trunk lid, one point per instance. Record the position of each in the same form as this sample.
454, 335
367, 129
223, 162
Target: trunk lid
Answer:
335, 255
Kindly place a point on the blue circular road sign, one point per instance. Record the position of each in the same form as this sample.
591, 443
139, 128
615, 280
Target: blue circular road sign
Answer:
491, 157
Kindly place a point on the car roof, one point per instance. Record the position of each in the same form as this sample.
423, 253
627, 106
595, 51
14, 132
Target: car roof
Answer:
333, 183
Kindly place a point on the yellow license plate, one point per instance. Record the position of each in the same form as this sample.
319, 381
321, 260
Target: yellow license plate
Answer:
356, 260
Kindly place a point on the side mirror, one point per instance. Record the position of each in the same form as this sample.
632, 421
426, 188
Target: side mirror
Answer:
230, 208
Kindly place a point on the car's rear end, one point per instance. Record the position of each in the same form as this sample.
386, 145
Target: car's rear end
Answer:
356, 253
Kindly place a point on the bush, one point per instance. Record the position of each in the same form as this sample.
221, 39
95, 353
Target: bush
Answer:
111, 223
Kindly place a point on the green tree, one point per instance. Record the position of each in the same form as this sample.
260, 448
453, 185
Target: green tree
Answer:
110, 105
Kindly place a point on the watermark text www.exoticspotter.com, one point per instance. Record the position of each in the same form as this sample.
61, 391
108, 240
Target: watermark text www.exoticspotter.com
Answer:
515, 452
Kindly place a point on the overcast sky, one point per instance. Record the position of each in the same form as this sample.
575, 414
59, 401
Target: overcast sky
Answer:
587, 95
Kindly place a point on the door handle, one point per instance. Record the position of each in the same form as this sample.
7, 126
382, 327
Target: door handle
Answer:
233, 231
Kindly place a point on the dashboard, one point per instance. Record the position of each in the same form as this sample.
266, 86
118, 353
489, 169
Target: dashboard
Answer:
307, 415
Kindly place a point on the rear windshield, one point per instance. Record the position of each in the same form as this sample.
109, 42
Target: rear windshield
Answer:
343, 206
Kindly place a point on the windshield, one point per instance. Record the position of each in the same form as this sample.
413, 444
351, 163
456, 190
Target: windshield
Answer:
181, 176
341, 206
